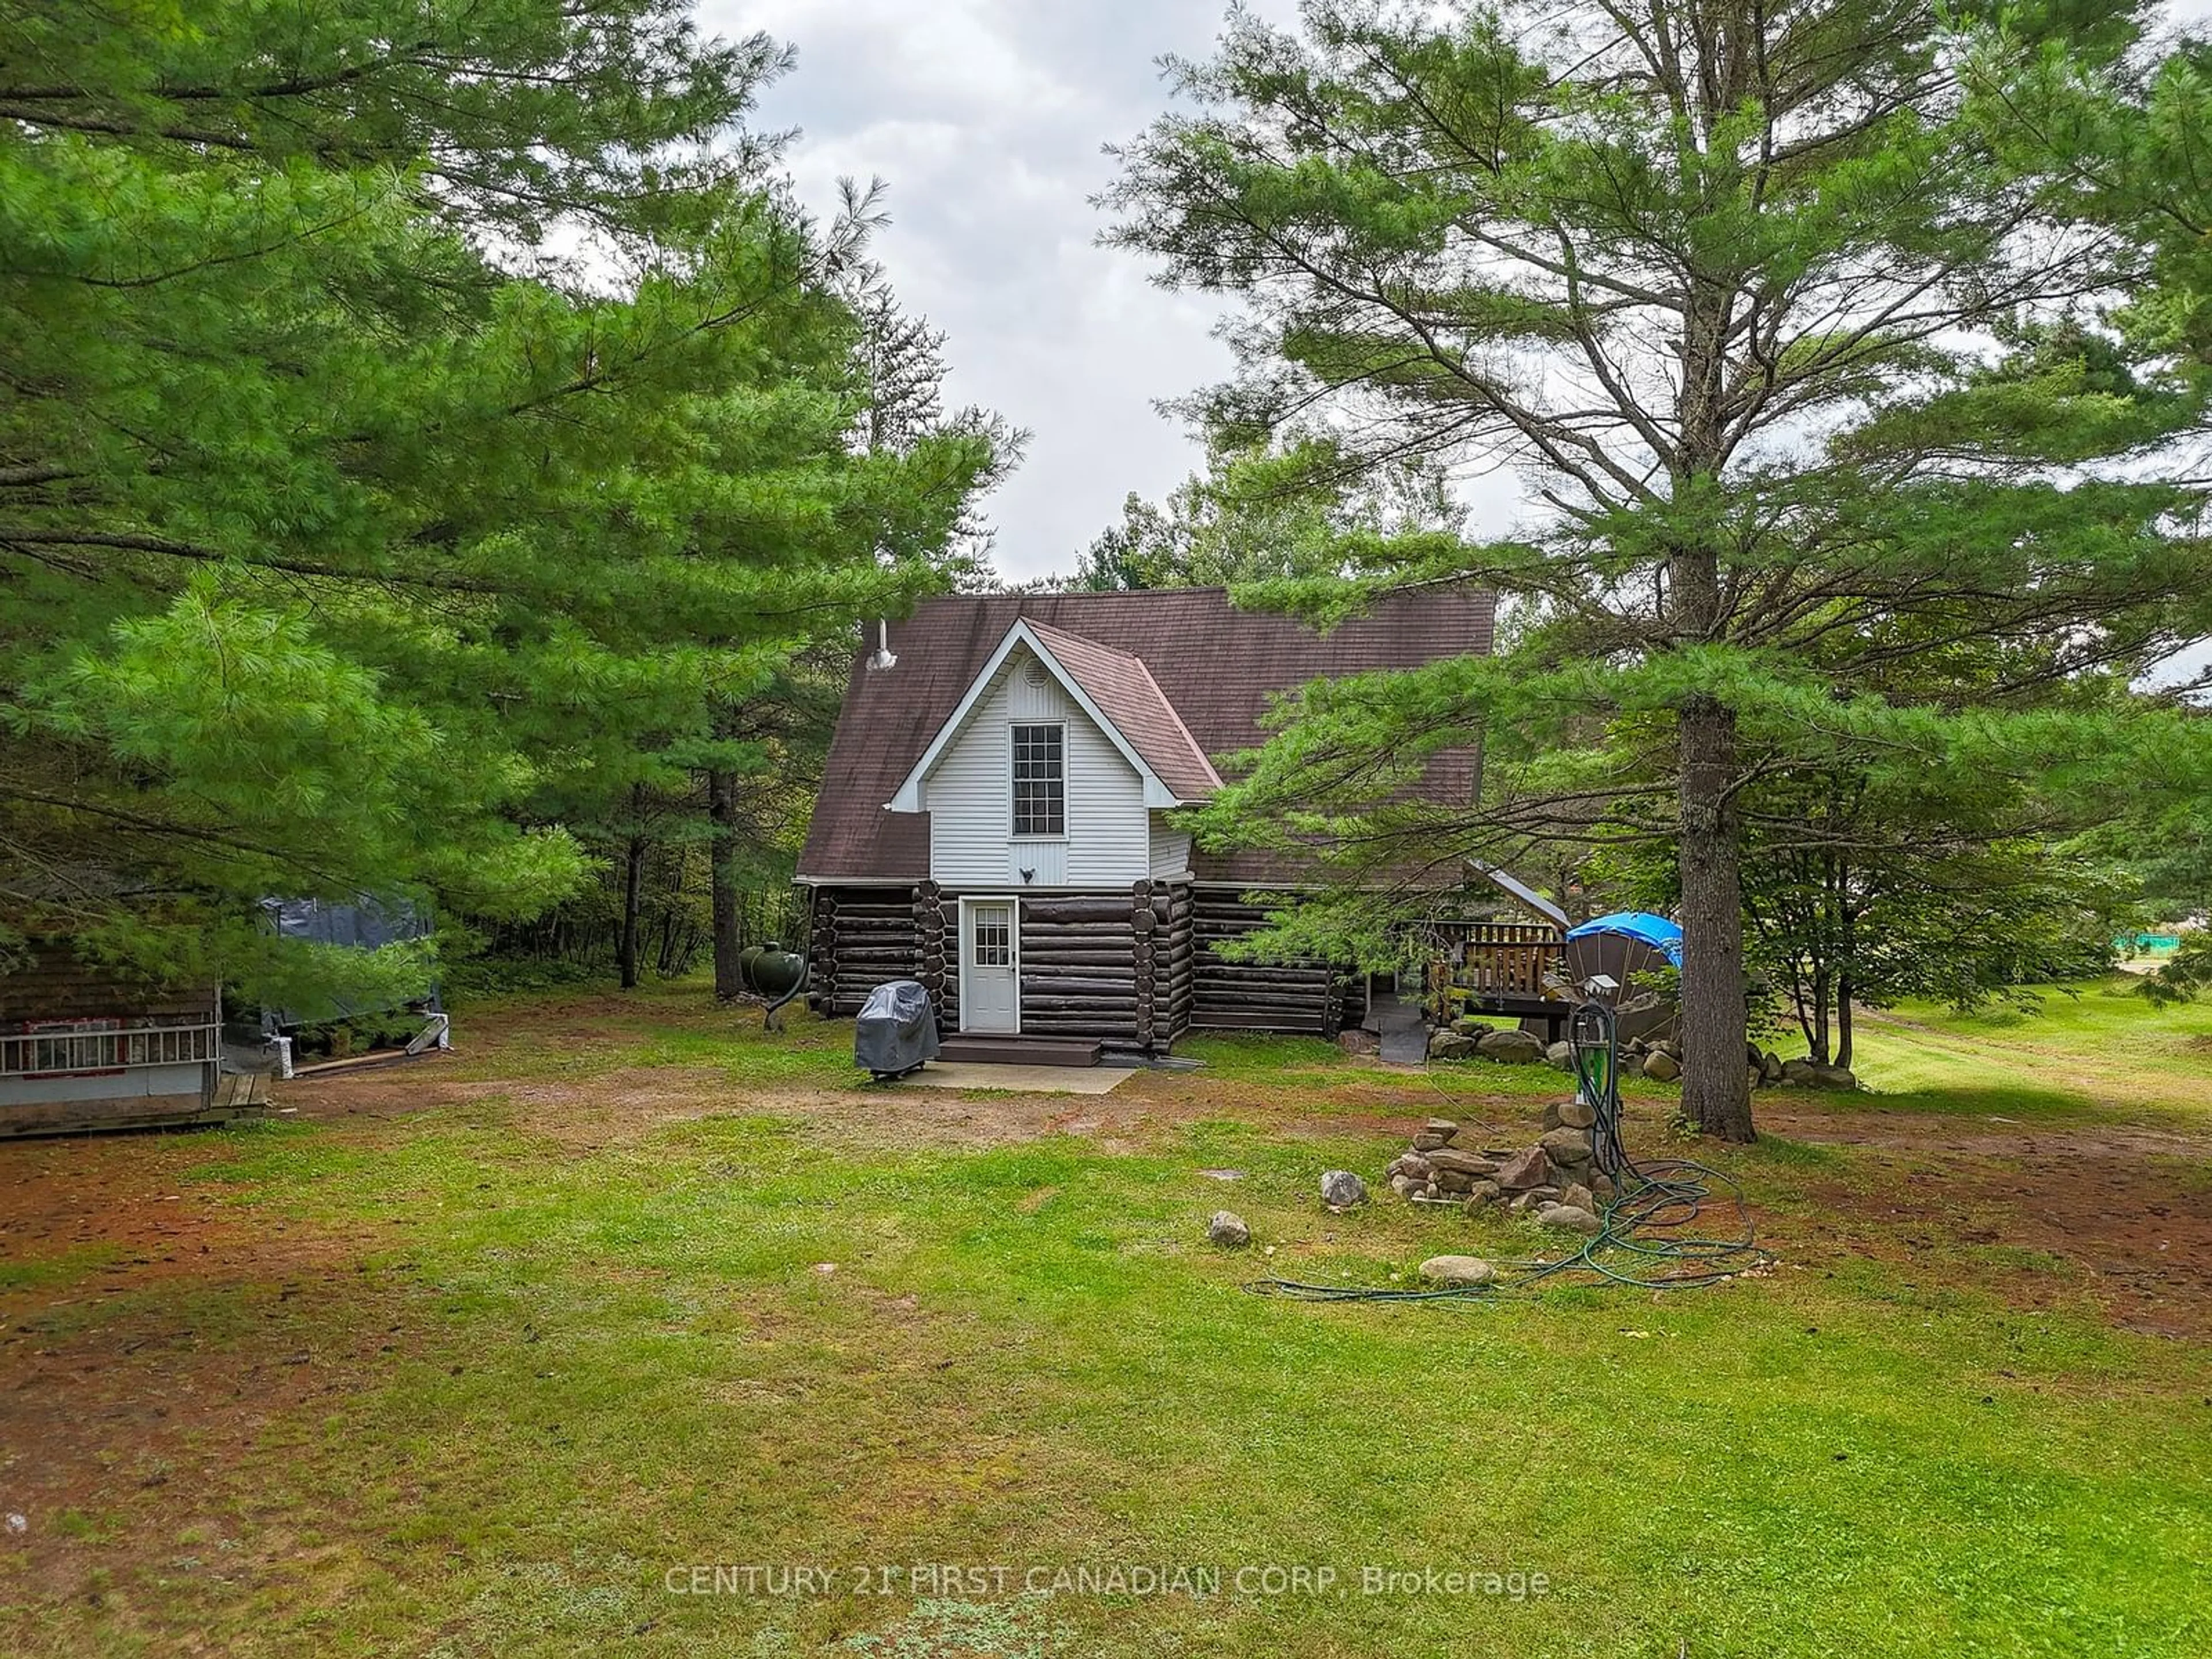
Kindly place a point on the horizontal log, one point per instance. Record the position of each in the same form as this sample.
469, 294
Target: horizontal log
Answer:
1077, 909
1302, 1008
1233, 1021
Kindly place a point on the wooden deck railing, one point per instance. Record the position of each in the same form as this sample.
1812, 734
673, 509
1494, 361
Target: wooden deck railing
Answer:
1491, 959
1509, 958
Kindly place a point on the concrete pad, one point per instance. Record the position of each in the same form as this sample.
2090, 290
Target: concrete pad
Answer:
1019, 1079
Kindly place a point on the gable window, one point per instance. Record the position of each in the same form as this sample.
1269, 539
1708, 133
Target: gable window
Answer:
1040, 779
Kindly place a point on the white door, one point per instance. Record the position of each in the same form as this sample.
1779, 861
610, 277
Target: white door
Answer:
990, 987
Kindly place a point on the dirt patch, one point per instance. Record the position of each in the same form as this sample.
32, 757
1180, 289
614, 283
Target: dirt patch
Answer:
623, 1107
150, 1335
2044, 1217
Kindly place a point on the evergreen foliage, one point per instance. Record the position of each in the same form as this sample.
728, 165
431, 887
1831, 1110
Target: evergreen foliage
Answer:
1807, 362
418, 423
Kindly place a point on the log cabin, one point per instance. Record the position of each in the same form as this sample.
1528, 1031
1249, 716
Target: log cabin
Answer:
997, 814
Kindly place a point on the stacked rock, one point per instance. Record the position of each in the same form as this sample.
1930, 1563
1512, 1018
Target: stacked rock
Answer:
1555, 1180
1660, 1060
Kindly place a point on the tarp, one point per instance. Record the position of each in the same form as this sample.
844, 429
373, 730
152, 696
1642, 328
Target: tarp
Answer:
1658, 933
365, 925
897, 1029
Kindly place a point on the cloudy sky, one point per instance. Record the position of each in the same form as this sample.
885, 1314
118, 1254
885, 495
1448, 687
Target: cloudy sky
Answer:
987, 119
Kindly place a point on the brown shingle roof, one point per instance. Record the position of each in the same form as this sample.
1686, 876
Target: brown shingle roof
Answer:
1126, 692
1217, 668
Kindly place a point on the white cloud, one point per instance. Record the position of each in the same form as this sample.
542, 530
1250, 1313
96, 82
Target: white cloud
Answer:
987, 119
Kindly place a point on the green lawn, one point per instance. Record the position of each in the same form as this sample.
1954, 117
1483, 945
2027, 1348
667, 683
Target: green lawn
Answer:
486, 1366
2096, 1040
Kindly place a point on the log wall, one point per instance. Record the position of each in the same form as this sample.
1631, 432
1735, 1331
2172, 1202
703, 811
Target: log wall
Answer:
1306, 997
1134, 966
860, 936
1177, 959
1079, 967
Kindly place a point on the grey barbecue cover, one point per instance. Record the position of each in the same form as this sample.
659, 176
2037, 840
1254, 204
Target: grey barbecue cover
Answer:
897, 1028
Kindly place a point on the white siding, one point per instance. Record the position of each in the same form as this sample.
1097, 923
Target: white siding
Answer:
1170, 848
969, 800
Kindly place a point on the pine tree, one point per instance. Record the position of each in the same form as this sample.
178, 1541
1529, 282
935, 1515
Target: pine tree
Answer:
415, 422
1778, 334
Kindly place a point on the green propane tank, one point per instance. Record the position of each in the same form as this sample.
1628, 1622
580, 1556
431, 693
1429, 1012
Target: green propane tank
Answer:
776, 970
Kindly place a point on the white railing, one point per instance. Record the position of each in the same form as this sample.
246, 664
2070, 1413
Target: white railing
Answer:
66, 1047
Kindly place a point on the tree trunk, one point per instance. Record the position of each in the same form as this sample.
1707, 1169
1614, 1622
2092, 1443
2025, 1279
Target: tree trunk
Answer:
721, 865
633, 905
1843, 1022
1816, 1033
1716, 1088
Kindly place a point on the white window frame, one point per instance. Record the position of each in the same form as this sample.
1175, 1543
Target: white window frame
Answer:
1013, 806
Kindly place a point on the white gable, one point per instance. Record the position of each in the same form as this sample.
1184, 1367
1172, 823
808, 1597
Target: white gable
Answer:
1022, 639
968, 795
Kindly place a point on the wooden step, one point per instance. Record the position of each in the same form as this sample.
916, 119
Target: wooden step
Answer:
1011, 1051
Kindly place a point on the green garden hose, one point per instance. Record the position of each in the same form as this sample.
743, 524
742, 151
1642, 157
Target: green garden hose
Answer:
1644, 1242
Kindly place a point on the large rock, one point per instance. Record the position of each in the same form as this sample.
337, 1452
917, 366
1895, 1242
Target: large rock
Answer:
1567, 1145
1798, 1071
1340, 1189
1570, 1218
1834, 1077
1535, 1199
1425, 1142
1482, 1192
1580, 1196
1454, 1181
1415, 1164
1468, 1163
1561, 1054
1577, 1114
1662, 1067
1445, 1126
1457, 1270
1769, 1066
1227, 1228
1515, 1047
1524, 1169
1450, 1045
1356, 1042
